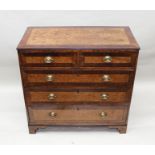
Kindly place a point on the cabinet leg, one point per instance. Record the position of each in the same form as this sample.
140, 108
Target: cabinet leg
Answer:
33, 129
122, 129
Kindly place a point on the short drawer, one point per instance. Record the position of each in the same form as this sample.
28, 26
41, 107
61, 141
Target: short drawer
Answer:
118, 59
102, 115
77, 97
48, 59
76, 78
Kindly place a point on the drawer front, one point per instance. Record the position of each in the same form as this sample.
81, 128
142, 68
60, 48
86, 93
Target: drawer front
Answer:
76, 78
75, 97
102, 115
108, 59
51, 59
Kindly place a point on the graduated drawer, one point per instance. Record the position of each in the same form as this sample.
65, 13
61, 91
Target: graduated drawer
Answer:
77, 97
48, 59
42, 115
111, 58
55, 78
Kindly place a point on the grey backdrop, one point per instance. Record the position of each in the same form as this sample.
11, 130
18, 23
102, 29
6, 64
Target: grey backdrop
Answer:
12, 113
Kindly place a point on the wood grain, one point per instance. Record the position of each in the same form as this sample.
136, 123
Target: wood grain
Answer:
42, 115
99, 59
78, 97
77, 78
81, 37
40, 60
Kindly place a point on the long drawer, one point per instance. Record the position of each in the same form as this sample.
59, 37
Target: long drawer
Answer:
77, 78
77, 97
102, 115
97, 78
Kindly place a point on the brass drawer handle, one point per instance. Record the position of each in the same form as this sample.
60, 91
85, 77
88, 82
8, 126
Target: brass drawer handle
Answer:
107, 59
104, 96
52, 114
49, 77
48, 59
51, 96
106, 78
103, 114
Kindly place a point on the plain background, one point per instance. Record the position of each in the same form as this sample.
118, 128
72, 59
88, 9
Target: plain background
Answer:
13, 123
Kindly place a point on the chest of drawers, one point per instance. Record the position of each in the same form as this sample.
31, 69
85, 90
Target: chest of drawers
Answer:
78, 76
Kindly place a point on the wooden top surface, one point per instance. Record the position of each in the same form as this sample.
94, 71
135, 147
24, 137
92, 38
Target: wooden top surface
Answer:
78, 37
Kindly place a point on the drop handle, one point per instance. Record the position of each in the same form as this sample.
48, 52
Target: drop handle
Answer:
51, 96
107, 59
52, 114
103, 114
48, 59
49, 78
106, 78
104, 96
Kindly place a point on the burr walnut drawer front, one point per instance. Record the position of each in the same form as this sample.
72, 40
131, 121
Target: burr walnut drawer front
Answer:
51, 59
102, 115
108, 59
78, 97
54, 78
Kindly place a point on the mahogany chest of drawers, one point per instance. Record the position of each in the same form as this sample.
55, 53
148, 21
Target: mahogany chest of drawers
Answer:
78, 76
